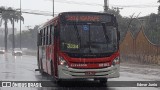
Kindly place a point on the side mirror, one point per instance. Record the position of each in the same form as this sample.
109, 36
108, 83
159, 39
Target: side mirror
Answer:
56, 31
118, 35
39, 39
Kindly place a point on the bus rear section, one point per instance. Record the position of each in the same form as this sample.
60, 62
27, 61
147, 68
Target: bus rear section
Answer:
87, 46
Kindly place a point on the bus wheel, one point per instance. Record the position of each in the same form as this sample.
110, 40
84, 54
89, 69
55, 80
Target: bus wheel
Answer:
57, 81
52, 73
41, 68
103, 81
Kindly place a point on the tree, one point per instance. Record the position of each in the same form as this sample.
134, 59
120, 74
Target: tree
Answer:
9, 14
15, 17
6, 17
1, 9
29, 38
152, 28
158, 7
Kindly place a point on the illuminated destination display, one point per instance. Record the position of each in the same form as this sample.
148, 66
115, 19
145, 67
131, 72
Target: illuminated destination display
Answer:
83, 17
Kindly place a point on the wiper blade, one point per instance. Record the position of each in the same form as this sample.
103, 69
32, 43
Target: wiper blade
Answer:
78, 36
105, 32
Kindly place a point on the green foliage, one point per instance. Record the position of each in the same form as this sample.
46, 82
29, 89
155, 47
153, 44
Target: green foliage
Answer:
151, 25
153, 28
126, 23
9, 14
158, 7
6, 17
159, 10
2, 9
28, 37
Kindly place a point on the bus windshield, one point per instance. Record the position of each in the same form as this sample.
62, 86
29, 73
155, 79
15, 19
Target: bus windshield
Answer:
88, 38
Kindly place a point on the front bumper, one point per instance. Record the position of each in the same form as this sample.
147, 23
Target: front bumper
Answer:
71, 73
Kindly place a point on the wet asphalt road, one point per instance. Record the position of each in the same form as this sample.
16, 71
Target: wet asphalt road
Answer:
22, 68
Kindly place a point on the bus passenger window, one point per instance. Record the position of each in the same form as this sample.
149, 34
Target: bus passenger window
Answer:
56, 31
40, 38
51, 34
47, 35
44, 36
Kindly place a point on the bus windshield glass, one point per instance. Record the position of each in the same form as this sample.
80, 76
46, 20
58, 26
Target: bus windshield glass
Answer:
88, 38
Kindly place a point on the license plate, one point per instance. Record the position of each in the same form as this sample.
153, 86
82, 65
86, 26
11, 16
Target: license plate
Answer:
90, 73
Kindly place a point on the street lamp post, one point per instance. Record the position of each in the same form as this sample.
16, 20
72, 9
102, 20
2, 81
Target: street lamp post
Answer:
53, 8
106, 5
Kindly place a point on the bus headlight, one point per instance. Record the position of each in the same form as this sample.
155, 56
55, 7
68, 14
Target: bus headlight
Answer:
116, 61
62, 62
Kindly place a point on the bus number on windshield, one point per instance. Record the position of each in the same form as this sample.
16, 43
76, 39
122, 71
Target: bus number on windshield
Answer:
71, 46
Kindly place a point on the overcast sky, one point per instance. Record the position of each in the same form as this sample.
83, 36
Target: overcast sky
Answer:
146, 7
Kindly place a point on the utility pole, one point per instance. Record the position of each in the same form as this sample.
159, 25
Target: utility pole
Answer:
106, 5
53, 8
117, 9
20, 23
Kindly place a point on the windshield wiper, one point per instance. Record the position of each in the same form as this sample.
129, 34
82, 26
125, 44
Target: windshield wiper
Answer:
78, 36
105, 32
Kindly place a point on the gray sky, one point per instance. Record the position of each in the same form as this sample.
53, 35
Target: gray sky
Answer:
129, 7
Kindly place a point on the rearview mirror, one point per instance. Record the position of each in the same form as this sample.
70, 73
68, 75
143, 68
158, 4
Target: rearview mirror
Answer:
56, 31
39, 39
118, 35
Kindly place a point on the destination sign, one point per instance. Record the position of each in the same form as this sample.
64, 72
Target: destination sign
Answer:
83, 18
87, 18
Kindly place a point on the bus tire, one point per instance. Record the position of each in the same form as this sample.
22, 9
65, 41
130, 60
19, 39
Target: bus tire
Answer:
103, 81
41, 68
52, 72
59, 82
56, 81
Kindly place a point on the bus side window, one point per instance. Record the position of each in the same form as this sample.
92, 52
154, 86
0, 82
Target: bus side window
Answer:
41, 37
47, 35
44, 36
51, 34
39, 43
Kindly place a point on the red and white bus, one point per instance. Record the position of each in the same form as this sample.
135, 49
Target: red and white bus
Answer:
80, 45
